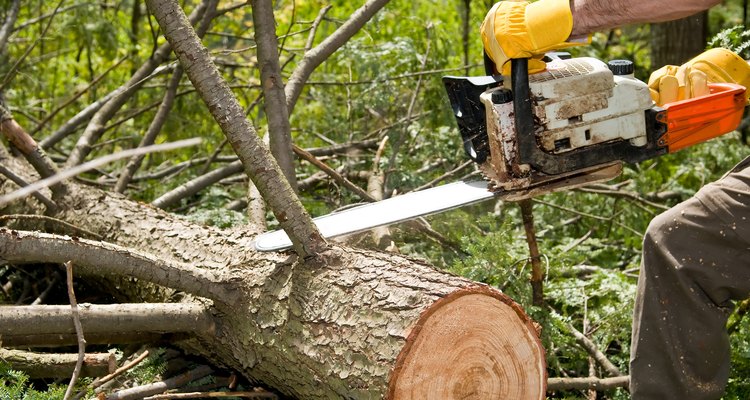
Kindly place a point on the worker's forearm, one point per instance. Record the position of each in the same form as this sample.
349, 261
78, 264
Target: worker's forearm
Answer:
595, 15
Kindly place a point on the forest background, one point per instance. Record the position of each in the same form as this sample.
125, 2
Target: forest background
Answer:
383, 83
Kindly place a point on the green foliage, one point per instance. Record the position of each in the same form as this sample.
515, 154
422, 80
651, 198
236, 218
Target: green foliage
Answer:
739, 382
149, 369
15, 385
735, 38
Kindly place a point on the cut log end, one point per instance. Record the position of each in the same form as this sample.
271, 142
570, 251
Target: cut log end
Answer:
474, 344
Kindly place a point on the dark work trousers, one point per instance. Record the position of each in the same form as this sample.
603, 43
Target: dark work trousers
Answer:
696, 262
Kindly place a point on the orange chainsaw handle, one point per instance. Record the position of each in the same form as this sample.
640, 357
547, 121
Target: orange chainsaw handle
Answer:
697, 120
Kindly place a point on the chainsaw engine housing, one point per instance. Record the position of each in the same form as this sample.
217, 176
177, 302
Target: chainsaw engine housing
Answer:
579, 103
586, 121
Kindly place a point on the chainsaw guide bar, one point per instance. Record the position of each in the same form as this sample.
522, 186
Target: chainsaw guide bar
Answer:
389, 211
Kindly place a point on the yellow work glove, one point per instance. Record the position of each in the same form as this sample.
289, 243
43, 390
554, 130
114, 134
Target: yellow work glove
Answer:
672, 83
519, 29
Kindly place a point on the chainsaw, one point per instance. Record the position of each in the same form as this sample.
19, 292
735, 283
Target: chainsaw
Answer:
572, 125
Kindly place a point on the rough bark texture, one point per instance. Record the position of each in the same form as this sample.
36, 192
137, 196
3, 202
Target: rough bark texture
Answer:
347, 324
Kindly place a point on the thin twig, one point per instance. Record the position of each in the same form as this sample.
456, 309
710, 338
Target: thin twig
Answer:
314, 27
40, 299
444, 176
40, 18
317, 55
79, 330
620, 193
75, 97
601, 384
69, 173
119, 371
51, 205
153, 129
333, 174
409, 75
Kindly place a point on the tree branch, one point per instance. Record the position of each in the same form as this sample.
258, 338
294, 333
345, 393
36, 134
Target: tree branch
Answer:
140, 392
73, 98
153, 129
51, 205
277, 114
10, 20
260, 166
66, 225
537, 273
29, 148
107, 318
333, 174
93, 164
314, 27
594, 352
79, 330
9, 75
313, 58
113, 374
57, 365
70, 125
197, 184
100, 258
599, 384
67, 340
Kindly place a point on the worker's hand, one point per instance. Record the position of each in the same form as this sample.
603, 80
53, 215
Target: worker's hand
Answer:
672, 83
519, 29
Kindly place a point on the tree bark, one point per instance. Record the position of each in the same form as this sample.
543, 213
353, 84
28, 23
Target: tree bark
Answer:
259, 165
277, 114
346, 324
132, 318
47, 365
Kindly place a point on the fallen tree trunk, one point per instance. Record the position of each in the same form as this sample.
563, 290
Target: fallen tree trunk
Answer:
344, 324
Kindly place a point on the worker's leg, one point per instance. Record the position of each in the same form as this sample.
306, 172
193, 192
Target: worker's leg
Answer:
696, 260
